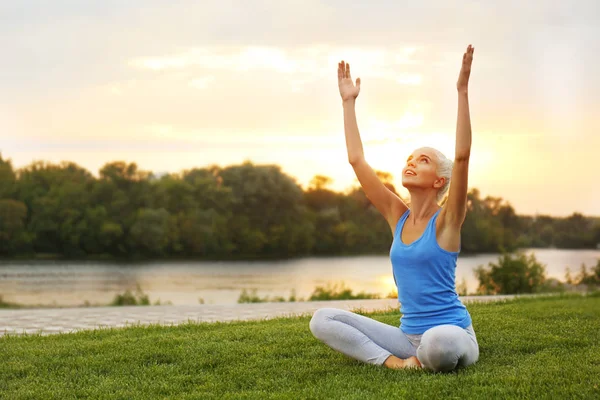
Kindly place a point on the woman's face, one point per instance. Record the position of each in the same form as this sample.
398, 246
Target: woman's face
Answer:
420, 169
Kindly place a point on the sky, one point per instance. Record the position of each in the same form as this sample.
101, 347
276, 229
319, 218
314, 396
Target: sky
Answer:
187, 84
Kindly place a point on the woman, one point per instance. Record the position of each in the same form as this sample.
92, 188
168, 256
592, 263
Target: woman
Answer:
435, 330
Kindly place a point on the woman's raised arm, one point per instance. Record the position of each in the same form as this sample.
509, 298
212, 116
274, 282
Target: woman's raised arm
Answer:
386, 201
456, 206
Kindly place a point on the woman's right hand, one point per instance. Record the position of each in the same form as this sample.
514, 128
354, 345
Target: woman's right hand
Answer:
348, 90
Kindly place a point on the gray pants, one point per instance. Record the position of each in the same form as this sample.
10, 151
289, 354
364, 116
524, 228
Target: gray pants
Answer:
441, 348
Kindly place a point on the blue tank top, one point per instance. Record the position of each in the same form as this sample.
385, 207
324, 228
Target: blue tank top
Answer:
425, 277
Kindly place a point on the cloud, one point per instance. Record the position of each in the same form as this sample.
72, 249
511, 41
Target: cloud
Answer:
381, 131
116, 90
202, 83
239, 59
409, 79
310, 62
155, 133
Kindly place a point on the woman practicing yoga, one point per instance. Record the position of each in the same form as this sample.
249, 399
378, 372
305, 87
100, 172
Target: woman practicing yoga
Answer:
435, 330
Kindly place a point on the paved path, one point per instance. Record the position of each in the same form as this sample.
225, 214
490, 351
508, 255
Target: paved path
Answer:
63, 320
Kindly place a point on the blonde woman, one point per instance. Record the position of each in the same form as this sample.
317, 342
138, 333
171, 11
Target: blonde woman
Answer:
436, 331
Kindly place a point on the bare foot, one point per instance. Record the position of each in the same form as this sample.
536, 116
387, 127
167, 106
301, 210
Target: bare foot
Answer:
397, 363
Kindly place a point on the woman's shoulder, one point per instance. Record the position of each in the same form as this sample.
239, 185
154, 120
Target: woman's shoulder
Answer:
397, 215
447, 235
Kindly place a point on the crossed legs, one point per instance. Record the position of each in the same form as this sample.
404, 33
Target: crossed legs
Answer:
441, 348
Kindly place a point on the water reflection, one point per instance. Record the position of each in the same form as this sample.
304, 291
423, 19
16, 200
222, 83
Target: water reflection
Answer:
73, 283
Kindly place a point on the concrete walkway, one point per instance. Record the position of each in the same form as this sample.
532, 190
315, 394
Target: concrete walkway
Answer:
63, 320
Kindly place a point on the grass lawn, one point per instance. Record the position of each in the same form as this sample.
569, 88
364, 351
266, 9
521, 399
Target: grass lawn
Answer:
530, 348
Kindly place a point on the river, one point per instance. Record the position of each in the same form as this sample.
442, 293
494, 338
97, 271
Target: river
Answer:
63, 283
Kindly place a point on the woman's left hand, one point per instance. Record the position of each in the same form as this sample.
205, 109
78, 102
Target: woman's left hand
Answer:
463, 78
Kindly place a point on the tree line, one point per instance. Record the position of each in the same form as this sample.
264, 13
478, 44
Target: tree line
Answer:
244, 211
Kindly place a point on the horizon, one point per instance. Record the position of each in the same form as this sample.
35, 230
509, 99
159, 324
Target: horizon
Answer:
185, 85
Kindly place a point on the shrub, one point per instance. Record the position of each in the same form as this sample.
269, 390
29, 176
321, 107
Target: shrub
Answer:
130, 299
246, 297
512, 274
252, 297
591, 279
341, 293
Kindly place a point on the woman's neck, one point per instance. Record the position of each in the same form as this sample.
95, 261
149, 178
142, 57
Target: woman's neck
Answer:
422, 207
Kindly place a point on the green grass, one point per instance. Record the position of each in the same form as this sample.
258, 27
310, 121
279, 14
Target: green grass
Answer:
545, 348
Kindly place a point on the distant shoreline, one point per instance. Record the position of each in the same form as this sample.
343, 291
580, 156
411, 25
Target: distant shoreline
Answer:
109, 258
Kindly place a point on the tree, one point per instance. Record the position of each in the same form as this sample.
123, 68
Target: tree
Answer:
319, 182
265, 202
7, 179
56, 196
13, 236
149, 232
240, 211
574, 231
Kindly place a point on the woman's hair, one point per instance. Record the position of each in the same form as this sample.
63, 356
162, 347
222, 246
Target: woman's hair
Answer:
444, 169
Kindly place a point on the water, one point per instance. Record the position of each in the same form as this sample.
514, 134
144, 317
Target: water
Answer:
73, 283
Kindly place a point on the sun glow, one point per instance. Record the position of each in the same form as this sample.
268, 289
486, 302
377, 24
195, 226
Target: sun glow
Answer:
388, 284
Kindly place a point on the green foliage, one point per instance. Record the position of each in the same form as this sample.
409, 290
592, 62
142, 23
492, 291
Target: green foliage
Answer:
490, 225
139, 298
244, 211
149, 232
584, 277
252, 297
461, 288
14, 237
512, 274
8, 179
320, 293
292, 297
5, 304
127, 298
338, 292
545, 348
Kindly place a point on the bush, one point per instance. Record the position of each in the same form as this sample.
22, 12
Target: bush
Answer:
130, 299
513, 274
252, 297
591, 279
341, 293
246, 297
461, 288
320, 293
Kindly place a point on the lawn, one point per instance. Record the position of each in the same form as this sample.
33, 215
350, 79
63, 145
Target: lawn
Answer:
530, 348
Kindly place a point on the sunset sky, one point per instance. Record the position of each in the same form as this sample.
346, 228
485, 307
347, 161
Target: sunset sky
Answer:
172, 85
